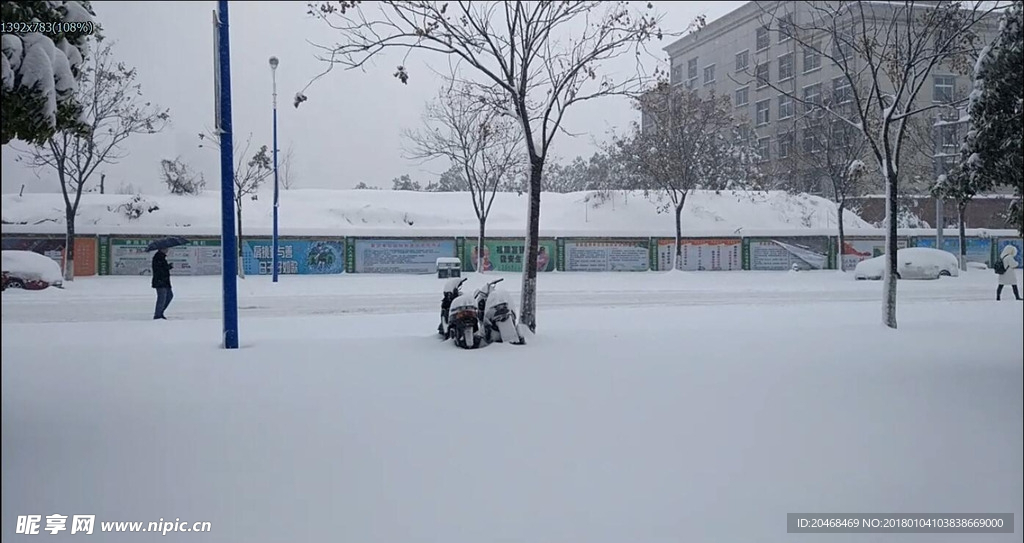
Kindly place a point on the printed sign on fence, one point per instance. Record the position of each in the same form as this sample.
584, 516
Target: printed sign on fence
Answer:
607, 255
702, 254
400, 255
806, 253
295, 256
85, 251
199, 257
506, 255
858, 249
978, 249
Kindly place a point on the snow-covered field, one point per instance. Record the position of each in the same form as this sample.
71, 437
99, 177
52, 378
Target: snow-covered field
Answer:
650, 408
388, 213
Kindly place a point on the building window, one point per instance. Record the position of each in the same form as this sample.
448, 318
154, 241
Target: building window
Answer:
691, 68
763, 147
742, 60
811, 139
762, 74
709, 74
949, 139
763, 112
944, 87
842, 45
812, 57
785, 107
785, 144
842, 92
812, 97
785, 28
763, 41
742, 97
842, 135
785, 67
742, 133
677, 74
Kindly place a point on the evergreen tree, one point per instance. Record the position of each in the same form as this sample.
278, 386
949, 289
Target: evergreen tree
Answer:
993, 152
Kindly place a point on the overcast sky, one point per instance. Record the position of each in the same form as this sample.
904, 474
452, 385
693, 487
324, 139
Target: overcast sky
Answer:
349, 131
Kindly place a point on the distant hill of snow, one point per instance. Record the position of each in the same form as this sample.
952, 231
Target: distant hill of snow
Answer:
309, 212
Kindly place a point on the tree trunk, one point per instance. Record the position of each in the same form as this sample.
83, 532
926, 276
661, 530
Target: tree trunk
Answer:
889, 277
103, 179
677, 258
842, 234
961, 207
528, 302
479, 264
69, 246
238, 212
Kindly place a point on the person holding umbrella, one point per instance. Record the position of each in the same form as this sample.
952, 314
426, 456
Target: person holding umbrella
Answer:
162, 282
162, 273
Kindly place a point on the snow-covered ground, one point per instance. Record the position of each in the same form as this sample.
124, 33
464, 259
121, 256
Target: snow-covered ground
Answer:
407, 213
650, 408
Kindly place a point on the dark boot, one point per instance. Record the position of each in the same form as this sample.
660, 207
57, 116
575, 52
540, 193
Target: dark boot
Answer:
1016, 293
999, 292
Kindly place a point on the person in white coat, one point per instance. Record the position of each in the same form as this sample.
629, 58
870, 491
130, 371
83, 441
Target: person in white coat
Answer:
1009, 276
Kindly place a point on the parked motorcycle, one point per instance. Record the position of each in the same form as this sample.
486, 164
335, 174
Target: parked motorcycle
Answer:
464, 322
452, 290
486, 316
499, 319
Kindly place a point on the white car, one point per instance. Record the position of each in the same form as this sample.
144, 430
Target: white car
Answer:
30, 271
911, 263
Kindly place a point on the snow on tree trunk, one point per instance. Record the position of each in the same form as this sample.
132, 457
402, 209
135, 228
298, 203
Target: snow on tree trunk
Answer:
480, 247
842, 235
238, 213
889, 282
961, 207
528, 302
677, 255
69, 246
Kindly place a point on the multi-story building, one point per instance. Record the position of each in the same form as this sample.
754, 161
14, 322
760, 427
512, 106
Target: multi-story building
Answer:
745, 56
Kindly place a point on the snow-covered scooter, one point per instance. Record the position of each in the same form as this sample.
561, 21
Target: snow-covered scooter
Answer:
464, 322
496, 314
452, 290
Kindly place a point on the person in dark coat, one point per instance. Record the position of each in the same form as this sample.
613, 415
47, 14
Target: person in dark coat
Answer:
162, 283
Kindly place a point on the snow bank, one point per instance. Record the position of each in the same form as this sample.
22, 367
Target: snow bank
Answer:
386, 212
31, 266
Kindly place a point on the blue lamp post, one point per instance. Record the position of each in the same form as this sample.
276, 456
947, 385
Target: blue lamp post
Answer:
273, 72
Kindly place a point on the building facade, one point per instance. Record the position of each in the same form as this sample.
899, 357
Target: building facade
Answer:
750, 56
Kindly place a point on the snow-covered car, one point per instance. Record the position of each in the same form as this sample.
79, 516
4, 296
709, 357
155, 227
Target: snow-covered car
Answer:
30, 271
911, 263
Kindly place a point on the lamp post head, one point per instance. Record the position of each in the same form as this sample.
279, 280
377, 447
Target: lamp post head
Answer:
273, 63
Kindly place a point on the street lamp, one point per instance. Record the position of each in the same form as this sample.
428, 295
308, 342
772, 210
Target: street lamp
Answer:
273, 72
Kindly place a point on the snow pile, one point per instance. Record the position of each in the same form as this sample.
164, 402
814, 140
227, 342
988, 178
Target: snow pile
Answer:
30, 266
386, 212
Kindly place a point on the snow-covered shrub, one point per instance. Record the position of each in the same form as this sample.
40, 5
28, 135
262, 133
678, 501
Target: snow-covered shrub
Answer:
135, 207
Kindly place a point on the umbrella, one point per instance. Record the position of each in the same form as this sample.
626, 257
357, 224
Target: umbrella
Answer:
166, 243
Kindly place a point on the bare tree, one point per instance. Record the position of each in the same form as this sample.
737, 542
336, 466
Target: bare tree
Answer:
885, 53
683, 146
114, 110
180, 178
529, 60
286, 169
822, 148
250, 173
482, 143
